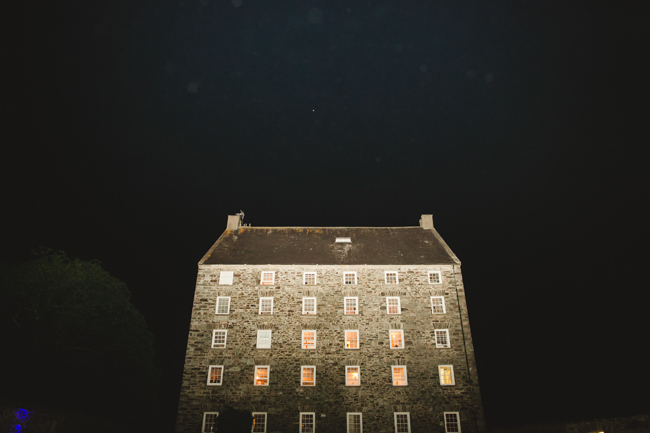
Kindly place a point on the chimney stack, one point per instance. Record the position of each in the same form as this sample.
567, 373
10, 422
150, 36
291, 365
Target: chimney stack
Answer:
234, 222
426, 222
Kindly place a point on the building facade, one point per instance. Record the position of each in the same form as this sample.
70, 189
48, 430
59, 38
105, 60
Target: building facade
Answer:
340, 329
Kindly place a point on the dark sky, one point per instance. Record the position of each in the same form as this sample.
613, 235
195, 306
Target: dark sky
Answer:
136, 127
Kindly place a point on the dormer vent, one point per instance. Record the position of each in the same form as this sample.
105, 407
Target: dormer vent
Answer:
343, 240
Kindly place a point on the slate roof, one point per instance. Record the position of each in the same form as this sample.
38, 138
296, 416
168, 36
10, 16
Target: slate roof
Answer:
317, 246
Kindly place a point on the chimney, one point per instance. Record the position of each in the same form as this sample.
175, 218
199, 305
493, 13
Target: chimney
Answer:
426, 222
234, 222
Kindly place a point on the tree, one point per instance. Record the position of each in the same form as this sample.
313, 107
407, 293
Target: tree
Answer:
72, 338
232, 420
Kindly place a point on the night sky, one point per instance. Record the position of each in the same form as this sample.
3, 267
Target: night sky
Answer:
136, 127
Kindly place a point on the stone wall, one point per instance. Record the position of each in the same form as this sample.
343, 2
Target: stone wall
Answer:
424, 398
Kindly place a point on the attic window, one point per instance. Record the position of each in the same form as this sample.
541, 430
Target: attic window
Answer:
339, 240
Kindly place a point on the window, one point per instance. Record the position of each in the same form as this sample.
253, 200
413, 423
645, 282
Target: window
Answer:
396, 339
402, 422
264, 338
307, 422
446, 374
344, 240
223, 305
393, 305
309, 339
349, 278
262, 375
435, 277
219, 338
268, 278
266, 305
215, 375
355, 424
352, 375
352, 339
399, 375
452, 422
308, 305
309, 278
442, 338
308, 375
209, 421
259, 422
225, 278
438, 305
390, 277
351, 305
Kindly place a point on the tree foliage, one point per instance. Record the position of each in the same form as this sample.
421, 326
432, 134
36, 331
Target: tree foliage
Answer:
235, 420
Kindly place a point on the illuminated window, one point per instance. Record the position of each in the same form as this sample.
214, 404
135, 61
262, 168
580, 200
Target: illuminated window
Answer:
266, 305
309, 339
442, 338
446, 374
262, 375
264, 338
355, 423
259, 422
435, 277
452, 422
308, 375
215, 375
343, 240
351, 305
349, 278
223, 305
393, 305
225, 278
219, 338
307, 422
399, 375
352, 339
309, 278
438, 305
209, 422
396, 339
390, 277
268, 278
352, 375
308, 305
402, 422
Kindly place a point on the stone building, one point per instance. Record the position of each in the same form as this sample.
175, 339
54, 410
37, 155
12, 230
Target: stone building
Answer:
333, 329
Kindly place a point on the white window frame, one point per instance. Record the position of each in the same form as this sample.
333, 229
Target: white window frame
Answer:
453, 379
306, 312
313, 422
360, 415
408, 422
304, 278
345, 337
264, 343
225, 338
354, 274
444, 308
347, 368
226, 278
439, 277
258, 430
302, 375
215, 367
444, 332
267, 278
268, 375
356, 305
448, 421
227, 298
392, 373
205, 418
390, 340
386, 273
303, 343
399, 304
262, 299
